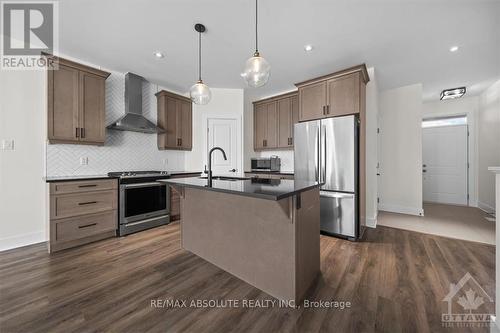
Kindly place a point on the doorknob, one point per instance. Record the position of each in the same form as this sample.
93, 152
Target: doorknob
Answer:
233, 170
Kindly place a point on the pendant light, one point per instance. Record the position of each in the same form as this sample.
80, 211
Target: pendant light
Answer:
199, 92
256, 72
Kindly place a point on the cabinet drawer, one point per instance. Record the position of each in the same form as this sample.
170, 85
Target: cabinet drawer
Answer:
67, 205
84, 226
82, 186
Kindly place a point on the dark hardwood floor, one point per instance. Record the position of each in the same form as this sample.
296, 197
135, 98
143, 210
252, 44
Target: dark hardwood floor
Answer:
395, 281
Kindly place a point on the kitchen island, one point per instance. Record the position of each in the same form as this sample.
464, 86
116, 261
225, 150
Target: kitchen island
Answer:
263, 231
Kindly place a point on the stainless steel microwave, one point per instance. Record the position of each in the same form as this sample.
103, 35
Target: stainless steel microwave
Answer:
272, 163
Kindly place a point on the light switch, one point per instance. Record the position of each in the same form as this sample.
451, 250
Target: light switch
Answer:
8, 144
84, 160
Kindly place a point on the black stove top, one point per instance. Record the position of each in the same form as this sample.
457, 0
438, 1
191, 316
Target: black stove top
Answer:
137, 174
133, 177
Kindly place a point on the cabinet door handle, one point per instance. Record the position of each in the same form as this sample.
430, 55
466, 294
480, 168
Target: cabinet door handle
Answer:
90, 185
82, 132
87, 203
328, 109
180, 142
77, 132
87, 225
324, 110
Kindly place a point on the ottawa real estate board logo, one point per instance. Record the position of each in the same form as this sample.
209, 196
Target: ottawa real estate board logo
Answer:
467, 305
27, 30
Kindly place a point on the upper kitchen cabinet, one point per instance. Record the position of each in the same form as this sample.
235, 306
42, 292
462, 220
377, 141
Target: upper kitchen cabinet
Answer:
175, 114
333, 95
273, 121
76, 103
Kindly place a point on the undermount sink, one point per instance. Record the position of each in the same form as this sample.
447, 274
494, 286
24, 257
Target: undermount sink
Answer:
226, 178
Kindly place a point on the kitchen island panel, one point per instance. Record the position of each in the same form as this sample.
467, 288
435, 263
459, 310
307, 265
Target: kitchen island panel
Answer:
255, 239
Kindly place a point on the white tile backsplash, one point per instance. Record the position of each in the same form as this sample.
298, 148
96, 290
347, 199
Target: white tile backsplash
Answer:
123, 150
286, 157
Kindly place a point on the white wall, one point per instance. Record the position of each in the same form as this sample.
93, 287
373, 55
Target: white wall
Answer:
489, 145
400, 182
22, 190
224, 103
372, 158
463, 106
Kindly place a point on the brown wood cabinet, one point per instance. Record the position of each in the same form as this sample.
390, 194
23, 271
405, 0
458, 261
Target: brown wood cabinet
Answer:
273, 121
332, 95
82, 212
175, 200
175, 114
76, 103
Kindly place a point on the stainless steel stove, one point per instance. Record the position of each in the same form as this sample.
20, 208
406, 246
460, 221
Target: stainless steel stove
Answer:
143, 202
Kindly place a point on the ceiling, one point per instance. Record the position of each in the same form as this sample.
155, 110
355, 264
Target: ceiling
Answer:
406, 41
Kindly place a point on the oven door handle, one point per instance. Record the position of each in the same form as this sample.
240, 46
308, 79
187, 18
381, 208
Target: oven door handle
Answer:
142, 185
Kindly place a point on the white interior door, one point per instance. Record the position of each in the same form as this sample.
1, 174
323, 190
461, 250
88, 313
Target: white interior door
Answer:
445, 164
223, 133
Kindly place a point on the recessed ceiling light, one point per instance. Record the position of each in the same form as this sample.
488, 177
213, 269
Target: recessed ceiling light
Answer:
308, 48
158, 54
452, 93
454, 49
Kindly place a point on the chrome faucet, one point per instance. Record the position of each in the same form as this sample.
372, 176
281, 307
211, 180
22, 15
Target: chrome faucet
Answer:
210, 162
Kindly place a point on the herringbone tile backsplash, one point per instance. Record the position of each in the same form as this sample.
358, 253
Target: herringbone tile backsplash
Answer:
123, 151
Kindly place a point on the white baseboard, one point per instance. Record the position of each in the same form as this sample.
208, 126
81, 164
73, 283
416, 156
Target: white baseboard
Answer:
485, 207
401, 209
371, 222
22, 240
494, 326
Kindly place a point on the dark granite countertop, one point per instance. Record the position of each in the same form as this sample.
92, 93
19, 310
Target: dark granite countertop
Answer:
285, 173
52, 179
270, 189
93, 177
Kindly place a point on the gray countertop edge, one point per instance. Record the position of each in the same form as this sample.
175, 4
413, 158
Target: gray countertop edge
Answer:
245, 194
95, 177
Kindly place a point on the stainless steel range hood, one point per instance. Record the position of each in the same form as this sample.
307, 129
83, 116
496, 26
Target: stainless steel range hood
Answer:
133, 120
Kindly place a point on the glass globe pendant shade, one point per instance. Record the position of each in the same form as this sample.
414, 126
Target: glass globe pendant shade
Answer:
256, 72
200, 93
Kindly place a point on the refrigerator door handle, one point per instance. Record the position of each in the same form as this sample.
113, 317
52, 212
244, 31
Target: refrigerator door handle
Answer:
318, 161
324, 154
335, 194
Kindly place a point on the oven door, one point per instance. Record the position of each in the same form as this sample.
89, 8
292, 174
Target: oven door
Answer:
142, 201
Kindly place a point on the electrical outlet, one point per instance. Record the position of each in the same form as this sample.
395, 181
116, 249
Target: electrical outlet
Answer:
165, 161
8, 144
84, 160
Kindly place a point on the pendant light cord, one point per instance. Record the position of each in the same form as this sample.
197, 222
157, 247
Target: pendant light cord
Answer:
256, 30
199, 56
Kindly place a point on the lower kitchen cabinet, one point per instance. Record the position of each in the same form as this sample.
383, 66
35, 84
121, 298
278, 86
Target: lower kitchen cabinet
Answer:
82, 212
175, 200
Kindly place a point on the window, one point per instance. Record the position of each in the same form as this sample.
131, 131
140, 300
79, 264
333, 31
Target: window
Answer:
447, 121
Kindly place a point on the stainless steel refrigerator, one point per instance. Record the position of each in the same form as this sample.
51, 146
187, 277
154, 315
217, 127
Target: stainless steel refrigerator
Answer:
327, 151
